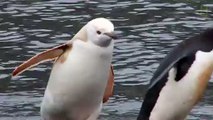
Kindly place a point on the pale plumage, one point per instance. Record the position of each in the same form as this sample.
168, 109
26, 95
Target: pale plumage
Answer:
82, 76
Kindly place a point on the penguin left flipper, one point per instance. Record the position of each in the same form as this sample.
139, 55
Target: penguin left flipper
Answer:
109, 88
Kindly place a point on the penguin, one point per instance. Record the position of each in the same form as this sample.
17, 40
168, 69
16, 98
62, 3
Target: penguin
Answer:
82, 76
180, 80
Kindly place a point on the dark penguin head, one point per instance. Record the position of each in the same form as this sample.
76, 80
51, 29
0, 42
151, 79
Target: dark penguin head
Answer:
181, 59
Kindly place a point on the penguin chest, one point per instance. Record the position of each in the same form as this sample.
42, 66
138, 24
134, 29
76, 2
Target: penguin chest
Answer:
82, 75
174, 102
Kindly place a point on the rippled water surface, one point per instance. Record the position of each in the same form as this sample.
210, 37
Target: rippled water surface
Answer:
149, 29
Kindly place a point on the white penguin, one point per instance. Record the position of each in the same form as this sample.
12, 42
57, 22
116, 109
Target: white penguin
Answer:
82, 76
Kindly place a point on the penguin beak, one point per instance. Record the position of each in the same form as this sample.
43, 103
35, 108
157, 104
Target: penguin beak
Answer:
112, 35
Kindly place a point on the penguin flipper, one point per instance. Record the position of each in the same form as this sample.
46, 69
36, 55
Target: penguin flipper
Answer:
47, 55
109, 88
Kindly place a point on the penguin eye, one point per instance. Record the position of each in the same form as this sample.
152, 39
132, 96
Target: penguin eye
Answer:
98, 32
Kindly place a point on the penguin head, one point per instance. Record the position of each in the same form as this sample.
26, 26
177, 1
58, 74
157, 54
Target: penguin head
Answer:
100, 31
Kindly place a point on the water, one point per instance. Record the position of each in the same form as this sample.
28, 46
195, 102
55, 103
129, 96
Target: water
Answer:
149, 29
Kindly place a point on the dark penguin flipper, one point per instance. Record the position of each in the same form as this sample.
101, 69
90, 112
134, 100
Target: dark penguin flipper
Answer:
181, 57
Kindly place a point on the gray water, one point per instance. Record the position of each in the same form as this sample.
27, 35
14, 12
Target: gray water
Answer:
149, 29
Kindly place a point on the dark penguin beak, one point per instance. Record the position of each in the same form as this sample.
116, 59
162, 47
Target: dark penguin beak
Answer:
112, 35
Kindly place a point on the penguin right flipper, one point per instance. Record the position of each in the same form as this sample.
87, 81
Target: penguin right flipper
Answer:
41, 57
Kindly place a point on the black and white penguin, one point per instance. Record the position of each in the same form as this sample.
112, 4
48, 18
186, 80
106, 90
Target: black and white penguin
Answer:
180, 80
